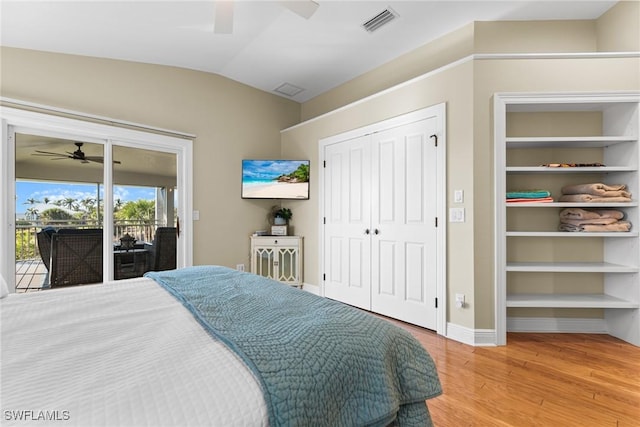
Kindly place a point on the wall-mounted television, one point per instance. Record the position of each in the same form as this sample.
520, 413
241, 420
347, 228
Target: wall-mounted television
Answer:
275, 179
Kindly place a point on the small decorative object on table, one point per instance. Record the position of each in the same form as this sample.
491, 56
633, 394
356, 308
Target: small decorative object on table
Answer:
281, 216
127, 242
279, 230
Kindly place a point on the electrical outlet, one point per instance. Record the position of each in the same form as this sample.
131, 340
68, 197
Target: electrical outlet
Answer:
240, 267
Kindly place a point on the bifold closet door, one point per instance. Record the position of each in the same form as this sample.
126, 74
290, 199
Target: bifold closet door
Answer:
379, 214
403, 243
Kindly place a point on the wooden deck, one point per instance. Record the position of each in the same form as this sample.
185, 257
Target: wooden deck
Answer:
30, 275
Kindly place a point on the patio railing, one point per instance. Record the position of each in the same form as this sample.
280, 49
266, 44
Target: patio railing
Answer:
27, 247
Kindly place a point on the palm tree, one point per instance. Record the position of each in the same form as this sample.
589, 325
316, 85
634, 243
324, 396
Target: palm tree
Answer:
88, 204
32, 213
141, 210
70, 203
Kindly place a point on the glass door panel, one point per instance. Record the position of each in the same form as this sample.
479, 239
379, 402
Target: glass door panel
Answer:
58, 210
144, 211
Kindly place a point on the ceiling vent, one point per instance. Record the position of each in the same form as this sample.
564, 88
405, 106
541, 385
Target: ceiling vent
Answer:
288, 89
380, 19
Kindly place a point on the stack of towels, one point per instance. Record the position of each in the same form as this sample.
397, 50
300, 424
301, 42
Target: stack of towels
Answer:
529, 196
595, 193
602, 220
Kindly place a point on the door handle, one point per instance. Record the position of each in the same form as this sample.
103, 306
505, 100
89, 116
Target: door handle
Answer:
376, 231
367, 231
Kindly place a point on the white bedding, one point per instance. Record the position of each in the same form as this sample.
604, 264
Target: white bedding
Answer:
64, 354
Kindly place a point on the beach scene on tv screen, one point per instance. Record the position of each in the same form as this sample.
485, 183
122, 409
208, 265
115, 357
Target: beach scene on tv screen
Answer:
275, 179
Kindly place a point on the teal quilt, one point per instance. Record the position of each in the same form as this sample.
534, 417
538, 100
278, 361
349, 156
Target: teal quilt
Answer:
319, 362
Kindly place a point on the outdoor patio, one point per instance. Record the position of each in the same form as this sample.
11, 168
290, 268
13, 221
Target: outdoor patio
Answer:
70, 265
30, 275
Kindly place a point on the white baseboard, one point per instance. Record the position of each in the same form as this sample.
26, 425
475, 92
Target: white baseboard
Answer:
474, 337
487, 337
313, 289
557, 324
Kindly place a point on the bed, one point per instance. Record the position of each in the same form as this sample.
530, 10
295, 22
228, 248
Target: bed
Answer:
206, 346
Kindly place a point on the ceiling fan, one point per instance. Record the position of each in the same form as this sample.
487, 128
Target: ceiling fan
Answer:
223, 23
76, 155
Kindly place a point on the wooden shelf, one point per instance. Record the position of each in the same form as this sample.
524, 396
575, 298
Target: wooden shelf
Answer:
546, 169
570, 267
630, 204
621, 234
568, 301
567, 142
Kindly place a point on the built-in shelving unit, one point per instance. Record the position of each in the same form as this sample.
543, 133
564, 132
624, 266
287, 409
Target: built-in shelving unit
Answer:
539, 267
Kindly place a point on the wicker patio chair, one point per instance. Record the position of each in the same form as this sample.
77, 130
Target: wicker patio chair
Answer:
76, 257
163, 250
44, 248
44, 245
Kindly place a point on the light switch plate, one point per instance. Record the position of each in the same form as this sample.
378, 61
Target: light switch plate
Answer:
458, 196
456, 215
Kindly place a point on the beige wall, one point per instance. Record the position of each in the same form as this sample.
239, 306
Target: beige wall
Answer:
454, 87
618, 30
231, 121
467, 89
534, 37
431, 56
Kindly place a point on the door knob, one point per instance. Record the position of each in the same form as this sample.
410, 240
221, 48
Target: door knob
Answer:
367, 231
376, 231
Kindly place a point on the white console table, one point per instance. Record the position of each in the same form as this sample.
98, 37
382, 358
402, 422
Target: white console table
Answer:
278, 257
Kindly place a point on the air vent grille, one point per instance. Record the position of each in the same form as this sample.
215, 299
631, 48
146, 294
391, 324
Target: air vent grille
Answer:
288, 89
380, 19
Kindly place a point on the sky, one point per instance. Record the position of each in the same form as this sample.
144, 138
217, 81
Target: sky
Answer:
61, 190
259, 171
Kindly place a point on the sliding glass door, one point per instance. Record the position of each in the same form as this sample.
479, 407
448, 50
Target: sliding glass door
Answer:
144, 211
94, 189
58, 194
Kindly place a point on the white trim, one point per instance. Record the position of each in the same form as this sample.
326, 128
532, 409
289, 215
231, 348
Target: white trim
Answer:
474, 337
20, 104
438, 110
472, 57
312, 289
557, 324
24, 121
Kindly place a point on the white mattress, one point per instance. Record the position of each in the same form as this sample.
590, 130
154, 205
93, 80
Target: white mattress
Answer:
124, 353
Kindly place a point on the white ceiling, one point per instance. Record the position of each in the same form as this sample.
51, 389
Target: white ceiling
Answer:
270, 45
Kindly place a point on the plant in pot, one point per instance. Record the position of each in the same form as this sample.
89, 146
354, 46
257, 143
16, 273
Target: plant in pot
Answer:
281, 216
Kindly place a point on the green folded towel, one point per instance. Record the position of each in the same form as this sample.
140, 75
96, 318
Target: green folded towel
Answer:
527, 194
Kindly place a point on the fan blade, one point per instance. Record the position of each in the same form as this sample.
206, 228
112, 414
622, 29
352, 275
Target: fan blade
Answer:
94, 159
303, 8
99, 159
47, 153
223, 20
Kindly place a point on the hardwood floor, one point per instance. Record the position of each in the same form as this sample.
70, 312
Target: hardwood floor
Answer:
563, 380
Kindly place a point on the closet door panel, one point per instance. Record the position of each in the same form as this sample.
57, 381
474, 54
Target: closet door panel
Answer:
347, 225
405, 283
